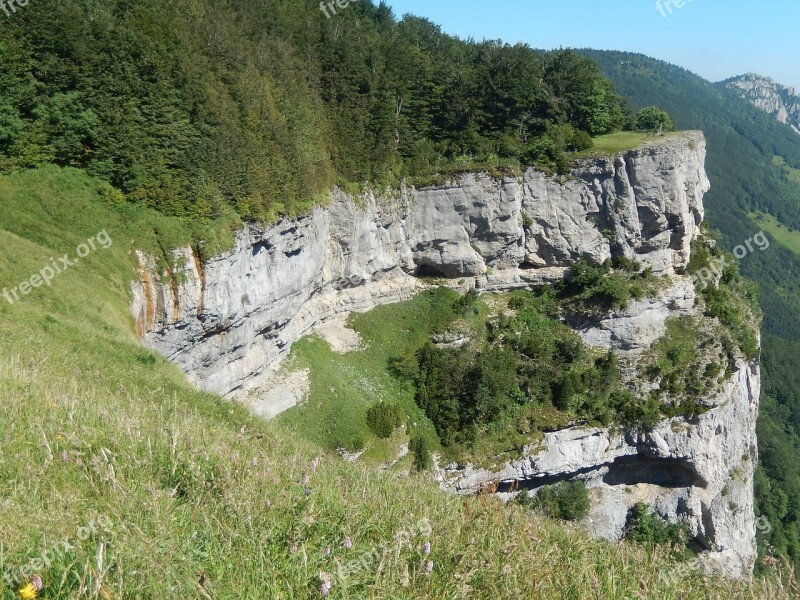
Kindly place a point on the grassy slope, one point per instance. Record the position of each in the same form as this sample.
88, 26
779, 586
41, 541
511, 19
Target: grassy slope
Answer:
779, 231
344, 386
93, 424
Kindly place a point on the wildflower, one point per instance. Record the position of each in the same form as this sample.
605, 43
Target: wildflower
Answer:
36, 580
324, 584
314, 464
429, 566
426, 549
304, 478
347, 543
28, 591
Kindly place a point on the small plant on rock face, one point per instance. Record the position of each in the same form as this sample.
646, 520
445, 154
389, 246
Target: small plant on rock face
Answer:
568, 501
527, 222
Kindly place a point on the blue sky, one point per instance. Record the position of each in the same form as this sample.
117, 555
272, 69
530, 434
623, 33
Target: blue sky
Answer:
713, 38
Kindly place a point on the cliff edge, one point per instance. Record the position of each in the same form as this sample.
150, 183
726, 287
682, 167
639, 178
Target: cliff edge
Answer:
229, 322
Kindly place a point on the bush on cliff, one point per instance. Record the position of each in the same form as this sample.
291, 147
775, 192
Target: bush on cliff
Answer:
566, 500
646, 527
384, 418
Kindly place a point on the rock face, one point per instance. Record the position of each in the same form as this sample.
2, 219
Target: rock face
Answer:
697, 471
778, 100
229, 322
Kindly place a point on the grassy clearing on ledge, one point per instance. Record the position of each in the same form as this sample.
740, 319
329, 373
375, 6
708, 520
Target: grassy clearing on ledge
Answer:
196, 499
344, 386
620, 141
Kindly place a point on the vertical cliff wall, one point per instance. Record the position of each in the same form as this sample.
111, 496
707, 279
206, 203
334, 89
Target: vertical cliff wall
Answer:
229, 322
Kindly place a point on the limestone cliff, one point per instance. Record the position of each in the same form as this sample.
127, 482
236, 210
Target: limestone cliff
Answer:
229, 322
780, 101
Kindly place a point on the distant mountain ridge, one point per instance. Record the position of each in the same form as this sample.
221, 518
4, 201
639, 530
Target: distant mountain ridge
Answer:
778, 100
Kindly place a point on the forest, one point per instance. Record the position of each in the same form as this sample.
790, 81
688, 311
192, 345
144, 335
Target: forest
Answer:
259, 108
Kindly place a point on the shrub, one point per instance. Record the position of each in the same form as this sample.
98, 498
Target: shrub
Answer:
468, 303
653, 118
422, 454
383, 419
568, 501
646, 527
632, 412
590, 289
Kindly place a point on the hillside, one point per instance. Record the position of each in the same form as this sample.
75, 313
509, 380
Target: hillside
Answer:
608, 335
126, 481
780, 101
746, 179
521, 296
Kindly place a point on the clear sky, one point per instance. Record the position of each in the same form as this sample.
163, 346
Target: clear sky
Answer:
713, 38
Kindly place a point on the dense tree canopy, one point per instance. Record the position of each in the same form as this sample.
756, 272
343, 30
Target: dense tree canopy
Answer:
193, 107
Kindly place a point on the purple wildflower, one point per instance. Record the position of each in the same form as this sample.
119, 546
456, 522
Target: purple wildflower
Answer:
324, 584
304, 478
429, 566
347, 543
314, 464
36, 581
426, 549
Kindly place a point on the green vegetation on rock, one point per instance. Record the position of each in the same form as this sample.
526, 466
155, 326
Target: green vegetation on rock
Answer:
646, 527
194, 497
567, 500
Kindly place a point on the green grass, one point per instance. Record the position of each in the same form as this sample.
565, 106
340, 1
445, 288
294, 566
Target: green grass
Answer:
620, 141
778, 231
792, 173
344, 386
200, 500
